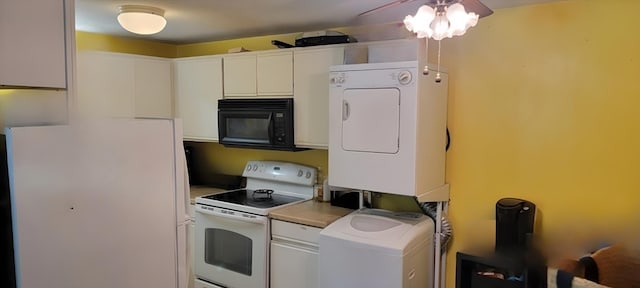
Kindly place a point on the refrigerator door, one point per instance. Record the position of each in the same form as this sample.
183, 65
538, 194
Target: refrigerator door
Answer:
98, 205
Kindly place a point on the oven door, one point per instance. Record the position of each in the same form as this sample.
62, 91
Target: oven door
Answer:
231, 247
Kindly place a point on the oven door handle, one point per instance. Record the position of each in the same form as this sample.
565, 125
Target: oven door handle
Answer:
252, 219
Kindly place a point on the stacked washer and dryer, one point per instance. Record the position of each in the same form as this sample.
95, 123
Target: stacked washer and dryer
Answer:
387, 133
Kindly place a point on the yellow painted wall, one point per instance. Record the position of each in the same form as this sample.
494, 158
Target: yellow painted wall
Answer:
221, 47
219, 159
543, 105
101, 42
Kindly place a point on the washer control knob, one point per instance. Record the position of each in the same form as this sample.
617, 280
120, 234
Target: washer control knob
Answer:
255, 167
308, 175
300, 173
405, 77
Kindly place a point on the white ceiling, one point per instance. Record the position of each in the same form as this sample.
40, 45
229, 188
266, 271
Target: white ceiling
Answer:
191, 21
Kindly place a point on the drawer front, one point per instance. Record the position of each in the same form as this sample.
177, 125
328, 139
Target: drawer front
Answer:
295, 231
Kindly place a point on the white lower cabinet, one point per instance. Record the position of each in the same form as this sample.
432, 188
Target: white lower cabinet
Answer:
294, 255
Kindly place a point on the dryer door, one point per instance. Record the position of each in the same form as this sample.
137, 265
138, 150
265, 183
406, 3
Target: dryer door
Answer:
371, 120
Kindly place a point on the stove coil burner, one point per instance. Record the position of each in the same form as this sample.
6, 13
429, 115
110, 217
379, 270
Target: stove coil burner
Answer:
262, 194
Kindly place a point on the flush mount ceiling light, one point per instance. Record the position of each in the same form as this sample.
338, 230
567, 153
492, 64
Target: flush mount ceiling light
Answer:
143, 20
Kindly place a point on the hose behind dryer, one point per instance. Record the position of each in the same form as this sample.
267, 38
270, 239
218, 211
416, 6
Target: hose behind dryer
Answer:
431, 210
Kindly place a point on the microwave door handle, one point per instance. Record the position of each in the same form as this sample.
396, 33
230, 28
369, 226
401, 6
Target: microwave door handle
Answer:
270, 130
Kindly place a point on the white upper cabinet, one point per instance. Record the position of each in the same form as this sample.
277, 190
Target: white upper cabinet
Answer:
105, 85
275, 73
198, 87
240, 75
254, 74
153, 88
32, 45
124, 85
311, 94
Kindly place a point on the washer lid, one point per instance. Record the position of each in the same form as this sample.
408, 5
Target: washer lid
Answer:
370, 224
380, 230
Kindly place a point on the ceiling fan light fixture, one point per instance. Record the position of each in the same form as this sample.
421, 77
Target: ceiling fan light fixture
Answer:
143, 20
442, 21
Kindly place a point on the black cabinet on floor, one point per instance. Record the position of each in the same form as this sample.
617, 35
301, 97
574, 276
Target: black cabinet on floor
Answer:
498, 271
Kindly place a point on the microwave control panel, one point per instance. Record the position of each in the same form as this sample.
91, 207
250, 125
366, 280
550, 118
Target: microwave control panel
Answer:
279, 128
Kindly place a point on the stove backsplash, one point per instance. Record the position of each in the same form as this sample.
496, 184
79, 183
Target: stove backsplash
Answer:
212, 162
206, 177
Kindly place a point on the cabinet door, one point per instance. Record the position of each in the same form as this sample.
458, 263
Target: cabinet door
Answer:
275, 74
293, 267
198, 86
153, 88
240, 75
32, 49
106, 84
371, 120
311, 94
124, 85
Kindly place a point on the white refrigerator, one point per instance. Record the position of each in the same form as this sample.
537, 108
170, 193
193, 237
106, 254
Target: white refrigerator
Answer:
99, 205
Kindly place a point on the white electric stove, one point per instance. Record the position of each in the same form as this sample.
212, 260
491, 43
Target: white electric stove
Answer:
232, 228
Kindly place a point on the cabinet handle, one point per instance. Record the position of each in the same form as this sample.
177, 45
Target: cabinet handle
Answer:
293, 243
345, 110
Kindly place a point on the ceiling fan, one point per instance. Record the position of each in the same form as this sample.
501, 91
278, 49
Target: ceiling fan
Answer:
438, 19
474, 6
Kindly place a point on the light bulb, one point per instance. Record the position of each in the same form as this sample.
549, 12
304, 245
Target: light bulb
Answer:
440, 26
457, 18
420, 22
460, 20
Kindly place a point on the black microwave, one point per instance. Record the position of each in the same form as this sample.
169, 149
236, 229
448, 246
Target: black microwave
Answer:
263, 123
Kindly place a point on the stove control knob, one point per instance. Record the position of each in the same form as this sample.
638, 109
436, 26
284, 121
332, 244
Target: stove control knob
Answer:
300, 173
308, 175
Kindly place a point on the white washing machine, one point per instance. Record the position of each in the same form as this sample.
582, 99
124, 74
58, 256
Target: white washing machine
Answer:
372, 248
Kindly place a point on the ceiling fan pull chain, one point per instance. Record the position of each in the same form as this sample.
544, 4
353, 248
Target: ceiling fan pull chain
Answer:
438, 79
425, 71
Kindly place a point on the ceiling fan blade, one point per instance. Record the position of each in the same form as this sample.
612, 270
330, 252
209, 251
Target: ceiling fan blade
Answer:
470, 5
477, 7
385, 6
